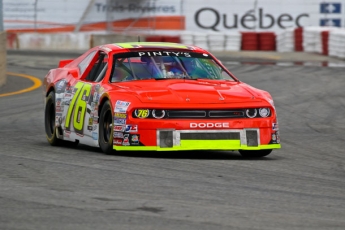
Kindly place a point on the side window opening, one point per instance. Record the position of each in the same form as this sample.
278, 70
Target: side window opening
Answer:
98, 69
85, 63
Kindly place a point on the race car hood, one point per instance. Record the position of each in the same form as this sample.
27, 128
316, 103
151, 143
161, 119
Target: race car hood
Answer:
192, 91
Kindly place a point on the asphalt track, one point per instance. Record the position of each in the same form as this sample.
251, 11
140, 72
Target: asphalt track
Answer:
301, 186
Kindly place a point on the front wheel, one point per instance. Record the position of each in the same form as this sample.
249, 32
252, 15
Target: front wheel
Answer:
106, 129
255, 153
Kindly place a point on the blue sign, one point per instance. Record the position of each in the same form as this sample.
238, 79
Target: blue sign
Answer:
330, 22
330, 8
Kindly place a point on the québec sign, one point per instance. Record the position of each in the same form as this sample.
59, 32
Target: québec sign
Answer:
249, 20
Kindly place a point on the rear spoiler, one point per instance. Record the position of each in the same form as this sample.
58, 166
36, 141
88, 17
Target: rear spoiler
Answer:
63, 63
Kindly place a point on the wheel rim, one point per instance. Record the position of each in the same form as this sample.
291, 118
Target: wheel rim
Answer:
107, 126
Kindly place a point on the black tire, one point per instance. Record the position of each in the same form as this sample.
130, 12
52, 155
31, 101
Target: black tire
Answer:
106, 129
49, 120
255, 153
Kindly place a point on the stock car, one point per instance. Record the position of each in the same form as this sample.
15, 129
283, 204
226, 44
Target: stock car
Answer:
158, 97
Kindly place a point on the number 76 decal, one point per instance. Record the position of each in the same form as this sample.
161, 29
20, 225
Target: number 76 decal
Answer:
78, 107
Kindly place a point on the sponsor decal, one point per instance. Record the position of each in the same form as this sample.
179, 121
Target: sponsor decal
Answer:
66, 101
118, 135
134, 139
275, 126
59, 109
90, 121
119, 128
60, 85
60, 120
131, 128
68, 95
120, 115
121, 106
119, 121
93, 105
95, 95
278, 137
89, 127
68, 89
126, 139
66, 133
58, 102
164, 53
209, 125
95, 136
142, 113
117, 141
275, 138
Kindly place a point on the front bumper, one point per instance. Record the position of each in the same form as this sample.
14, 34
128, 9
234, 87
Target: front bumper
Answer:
218, 139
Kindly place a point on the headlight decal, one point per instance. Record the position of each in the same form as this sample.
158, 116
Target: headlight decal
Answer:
264, 112
251, 113
158, 113
142, 113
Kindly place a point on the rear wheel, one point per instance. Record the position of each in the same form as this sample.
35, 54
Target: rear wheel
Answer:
49, 120
106, 129
255, 153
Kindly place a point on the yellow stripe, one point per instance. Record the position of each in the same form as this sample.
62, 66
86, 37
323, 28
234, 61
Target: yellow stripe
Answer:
37, 83
152, 44
195, 146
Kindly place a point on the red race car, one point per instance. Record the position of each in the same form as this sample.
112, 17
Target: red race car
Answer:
157, 97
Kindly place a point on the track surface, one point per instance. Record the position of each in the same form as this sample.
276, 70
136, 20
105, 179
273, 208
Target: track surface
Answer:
301, 186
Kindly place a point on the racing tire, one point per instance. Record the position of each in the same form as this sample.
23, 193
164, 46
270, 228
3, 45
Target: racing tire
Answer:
106, 129
49, 120
255, 153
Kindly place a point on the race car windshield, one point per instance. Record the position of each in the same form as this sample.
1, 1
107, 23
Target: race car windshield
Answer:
166, 65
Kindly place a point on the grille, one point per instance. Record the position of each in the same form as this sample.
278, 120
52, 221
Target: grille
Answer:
166, 139
252, 138
210, 136
186, 114
205, 114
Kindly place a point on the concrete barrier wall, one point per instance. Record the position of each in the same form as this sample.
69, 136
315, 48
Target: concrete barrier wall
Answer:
100, 39
53, 41
3, 61
66, 41
323, 40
